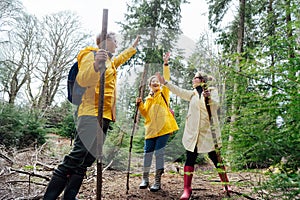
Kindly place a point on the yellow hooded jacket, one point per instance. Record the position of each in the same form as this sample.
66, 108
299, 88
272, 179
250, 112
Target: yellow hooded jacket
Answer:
87, 77
158, 118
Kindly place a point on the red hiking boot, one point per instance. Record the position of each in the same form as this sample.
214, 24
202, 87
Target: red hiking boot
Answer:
187, 178
224, 179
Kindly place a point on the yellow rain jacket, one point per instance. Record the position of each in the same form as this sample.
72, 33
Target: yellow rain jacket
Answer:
87, 77
158, 118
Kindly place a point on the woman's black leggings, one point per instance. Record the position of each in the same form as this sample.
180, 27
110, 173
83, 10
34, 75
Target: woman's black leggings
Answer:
192, 156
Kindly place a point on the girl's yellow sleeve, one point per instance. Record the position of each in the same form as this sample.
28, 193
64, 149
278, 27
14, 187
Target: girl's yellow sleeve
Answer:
166, 72
142, 109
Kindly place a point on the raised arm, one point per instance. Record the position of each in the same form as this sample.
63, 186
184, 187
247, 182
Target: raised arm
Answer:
127, 53
166, 74
136, 41
182, 93
166, 68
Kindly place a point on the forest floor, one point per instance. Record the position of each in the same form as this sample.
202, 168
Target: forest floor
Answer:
25, 174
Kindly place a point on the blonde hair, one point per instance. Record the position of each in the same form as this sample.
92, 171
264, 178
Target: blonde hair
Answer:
110, 35
150, 79
149, 84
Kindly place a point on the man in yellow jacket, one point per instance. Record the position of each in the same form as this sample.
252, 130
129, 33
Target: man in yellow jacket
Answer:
70, 173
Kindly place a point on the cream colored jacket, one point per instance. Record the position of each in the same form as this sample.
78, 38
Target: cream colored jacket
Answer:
197, 131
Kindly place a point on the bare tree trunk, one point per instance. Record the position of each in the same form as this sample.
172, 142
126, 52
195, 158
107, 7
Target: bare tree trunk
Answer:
62, 40
271, 31
289, 30
239, 50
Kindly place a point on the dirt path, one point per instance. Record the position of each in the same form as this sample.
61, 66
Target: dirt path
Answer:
25, 174
206, 185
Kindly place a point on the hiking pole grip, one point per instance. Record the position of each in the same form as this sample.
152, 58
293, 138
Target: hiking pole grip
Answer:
100, 136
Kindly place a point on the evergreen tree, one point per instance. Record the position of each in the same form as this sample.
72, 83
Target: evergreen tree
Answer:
158, 23
266, 101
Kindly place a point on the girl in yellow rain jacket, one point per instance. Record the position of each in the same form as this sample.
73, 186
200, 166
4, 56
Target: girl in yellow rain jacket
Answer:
159, 124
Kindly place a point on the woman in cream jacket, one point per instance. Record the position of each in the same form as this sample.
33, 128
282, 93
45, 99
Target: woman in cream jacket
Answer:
201, 133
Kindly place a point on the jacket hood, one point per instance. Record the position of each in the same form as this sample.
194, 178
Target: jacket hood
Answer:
85, 51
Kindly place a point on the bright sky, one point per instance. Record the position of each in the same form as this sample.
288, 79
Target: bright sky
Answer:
194, 15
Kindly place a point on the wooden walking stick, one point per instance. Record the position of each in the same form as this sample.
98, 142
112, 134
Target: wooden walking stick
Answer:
135, 122
100, 136
220, 161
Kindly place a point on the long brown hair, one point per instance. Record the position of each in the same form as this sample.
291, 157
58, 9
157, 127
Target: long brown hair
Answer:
204, 76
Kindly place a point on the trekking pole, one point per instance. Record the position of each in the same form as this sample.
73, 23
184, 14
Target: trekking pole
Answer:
100, 136
135, 122
215, 139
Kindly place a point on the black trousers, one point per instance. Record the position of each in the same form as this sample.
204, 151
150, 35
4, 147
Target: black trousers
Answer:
192, 156
86, 146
